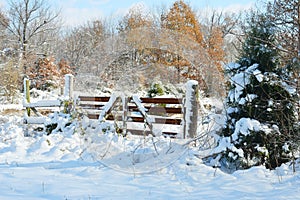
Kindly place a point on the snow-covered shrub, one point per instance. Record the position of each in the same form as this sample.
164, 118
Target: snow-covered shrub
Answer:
45, 73
261, 114
156, 89
59, 122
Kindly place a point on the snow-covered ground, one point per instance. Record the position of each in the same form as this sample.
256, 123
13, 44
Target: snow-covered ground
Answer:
83, 163
70, 165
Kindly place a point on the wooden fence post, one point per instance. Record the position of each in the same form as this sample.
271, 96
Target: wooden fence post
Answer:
191, 109
27, 93
68, 92
125, 101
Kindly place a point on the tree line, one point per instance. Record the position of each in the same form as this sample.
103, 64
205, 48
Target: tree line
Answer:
32, 31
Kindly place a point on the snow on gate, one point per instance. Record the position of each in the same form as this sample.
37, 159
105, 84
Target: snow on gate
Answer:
174, 117
49, 105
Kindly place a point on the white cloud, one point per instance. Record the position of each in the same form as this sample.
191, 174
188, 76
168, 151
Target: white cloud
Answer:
231, 8
75, 16
140, 6
77, 12
235, 8
3, 4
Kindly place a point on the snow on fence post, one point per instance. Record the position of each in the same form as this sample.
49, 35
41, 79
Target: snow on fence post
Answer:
68, 92
125, 101
27, 93
191, 109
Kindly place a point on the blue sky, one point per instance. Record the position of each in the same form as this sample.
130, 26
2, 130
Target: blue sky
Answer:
79, 11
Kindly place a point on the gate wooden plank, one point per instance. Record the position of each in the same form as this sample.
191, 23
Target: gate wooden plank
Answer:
96, 98
155, 110
158, 109
93, 116
147, 132
91, 106
139, 132
161, 100
158, 120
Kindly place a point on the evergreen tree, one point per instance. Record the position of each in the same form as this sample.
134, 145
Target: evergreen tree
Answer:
260, 110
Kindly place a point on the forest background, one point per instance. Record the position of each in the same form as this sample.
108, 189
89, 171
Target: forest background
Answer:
33, 32
171, 45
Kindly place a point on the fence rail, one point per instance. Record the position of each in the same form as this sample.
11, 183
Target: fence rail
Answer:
162, 111
49, 105
175, 117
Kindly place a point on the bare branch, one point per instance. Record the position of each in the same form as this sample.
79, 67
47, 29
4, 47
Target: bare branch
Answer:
30, 19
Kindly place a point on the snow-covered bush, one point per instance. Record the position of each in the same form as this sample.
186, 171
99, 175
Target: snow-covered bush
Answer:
59, 122
261, 114
159, 88
45, 74
156, 90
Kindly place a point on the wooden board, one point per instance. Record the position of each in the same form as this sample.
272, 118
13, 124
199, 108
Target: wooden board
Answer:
143, 99
158, 120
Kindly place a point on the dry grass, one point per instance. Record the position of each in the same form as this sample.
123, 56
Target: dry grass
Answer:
17, 112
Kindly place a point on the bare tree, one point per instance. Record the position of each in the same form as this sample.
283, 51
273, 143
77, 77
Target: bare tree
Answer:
82, 43
5, 53
228, 24
134, 19
285, 14
29, 22
3, 24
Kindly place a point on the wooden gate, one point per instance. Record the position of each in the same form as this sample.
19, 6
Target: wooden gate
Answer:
138, 116
174, 117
